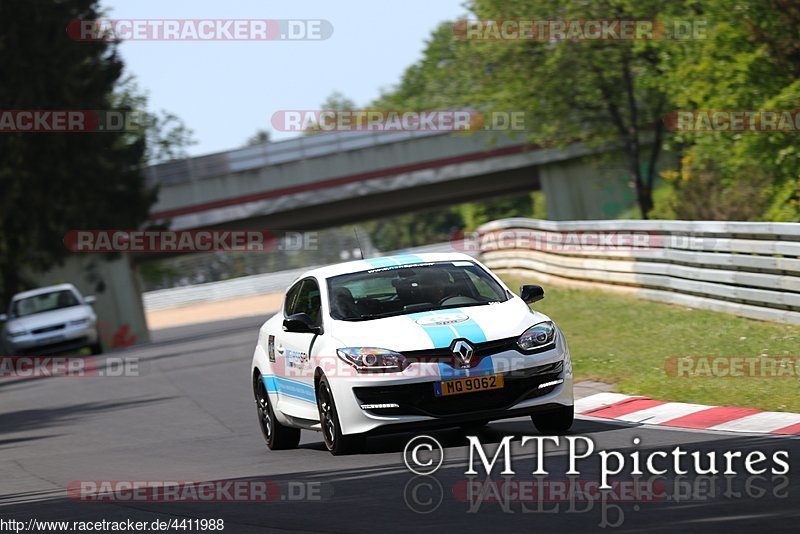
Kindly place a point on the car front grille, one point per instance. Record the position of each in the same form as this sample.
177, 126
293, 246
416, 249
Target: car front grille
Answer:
480, 351
51, 328
419, 398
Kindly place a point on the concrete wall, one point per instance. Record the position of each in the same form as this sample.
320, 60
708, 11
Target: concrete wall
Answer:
119, 308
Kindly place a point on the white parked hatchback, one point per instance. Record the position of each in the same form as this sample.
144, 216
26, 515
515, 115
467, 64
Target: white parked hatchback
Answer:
405, 343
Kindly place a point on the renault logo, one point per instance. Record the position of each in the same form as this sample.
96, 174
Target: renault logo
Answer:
462, 350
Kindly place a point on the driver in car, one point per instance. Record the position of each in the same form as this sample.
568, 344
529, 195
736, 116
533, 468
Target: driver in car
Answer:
437, 283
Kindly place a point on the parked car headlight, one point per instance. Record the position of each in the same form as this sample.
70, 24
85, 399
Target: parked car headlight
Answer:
77, 322
537, 336
17, 333
372, 359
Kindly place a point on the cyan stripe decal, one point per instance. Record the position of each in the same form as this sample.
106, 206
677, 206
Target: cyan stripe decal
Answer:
406, 259
470, 330
440, 335
393, 261
484, 367
443, 335
290, 388
378, 263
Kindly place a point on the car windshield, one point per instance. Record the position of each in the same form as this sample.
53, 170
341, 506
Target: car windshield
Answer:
399, 290
44, 302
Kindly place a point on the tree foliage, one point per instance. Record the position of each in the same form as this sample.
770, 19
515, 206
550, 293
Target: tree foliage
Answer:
750, 61
617, 92
52, 183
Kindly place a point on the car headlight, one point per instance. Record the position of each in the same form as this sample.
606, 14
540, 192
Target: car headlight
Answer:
372, 359
537, 337
17, 333
76, 322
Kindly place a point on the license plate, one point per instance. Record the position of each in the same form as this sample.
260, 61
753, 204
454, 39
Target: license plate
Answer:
467, 385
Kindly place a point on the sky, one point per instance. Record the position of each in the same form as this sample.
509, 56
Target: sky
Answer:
226, 90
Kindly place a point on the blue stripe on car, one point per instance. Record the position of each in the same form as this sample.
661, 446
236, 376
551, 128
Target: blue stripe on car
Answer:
484, 367
406, 259
290, 388
440, 335
378, 263
470, 330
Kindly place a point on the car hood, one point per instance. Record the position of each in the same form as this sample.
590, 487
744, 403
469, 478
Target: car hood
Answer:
40, 320
437, 329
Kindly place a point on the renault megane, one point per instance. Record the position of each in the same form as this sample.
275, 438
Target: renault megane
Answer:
404, 343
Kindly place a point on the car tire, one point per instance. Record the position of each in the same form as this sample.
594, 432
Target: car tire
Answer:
337, 443
554, 422
97, 348
277, 436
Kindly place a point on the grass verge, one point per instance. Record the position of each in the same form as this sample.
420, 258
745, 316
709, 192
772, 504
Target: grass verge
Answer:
628, 342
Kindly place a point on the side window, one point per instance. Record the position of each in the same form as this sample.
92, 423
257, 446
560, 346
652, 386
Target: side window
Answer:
290, 304
308, 300
310, 297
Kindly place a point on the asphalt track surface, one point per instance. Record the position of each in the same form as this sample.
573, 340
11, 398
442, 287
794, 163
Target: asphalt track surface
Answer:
190, 416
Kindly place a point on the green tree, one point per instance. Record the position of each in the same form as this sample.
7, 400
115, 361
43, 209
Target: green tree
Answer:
750, 61
336, 101
258, 138
55, 182
601, 92
165, 134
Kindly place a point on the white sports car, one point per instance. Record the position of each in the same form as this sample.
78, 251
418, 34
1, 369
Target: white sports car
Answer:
407, 342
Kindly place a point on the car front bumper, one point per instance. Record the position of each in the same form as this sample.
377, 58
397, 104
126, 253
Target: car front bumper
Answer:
57, 342
402, 401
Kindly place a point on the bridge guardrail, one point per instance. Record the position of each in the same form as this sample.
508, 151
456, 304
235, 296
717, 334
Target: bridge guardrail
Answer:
750, 269
274, 153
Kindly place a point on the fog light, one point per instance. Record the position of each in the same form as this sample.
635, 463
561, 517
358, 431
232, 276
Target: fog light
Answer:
552, 383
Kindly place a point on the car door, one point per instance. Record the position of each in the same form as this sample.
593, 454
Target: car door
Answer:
293, 350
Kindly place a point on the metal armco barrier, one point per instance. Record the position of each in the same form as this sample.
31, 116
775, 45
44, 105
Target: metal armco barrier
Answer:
751, 269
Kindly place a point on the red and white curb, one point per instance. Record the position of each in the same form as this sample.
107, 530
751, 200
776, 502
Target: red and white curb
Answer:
635, 409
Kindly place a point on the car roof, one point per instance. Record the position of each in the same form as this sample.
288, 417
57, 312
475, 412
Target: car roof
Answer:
337, 269
42, 291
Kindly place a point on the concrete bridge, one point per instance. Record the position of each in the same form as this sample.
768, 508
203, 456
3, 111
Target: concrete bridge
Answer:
337, 178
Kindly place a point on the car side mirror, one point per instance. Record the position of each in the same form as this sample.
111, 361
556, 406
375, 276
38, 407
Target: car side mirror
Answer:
89, 300
3, 317
531, 293
301, 323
